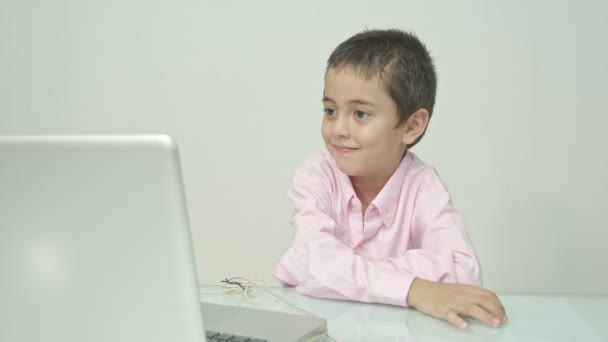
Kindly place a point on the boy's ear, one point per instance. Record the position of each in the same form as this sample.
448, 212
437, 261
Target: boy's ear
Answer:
415, 126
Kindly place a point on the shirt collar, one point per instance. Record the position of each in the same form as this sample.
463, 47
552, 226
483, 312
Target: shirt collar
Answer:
345, 184
387, 199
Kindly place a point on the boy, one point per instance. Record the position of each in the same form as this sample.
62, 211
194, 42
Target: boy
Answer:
373, 223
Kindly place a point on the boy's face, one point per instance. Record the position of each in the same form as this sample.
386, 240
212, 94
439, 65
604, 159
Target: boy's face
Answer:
359, 126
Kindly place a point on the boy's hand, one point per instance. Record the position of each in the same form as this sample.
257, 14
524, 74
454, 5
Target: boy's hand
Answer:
452, 301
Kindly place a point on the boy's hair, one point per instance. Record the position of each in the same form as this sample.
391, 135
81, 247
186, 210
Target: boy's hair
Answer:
400, 60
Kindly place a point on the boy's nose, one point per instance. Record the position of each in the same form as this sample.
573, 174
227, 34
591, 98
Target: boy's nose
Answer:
341, 126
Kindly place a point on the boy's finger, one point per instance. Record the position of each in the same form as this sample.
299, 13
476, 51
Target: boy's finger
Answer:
482, 315
496, 300
457, 321
491, 304
487, 295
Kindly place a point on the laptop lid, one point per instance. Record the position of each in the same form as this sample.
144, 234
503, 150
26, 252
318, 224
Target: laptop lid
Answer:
94, 241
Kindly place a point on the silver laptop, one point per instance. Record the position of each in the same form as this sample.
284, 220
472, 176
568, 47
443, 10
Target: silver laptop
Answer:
95, 246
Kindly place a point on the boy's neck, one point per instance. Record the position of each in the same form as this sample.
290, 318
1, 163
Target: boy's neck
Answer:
367, 189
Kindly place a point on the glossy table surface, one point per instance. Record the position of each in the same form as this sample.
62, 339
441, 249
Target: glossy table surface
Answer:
532, 317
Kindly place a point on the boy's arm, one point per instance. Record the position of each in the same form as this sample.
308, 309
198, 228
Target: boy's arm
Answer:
439, 226
318, 264
440, 249
441, 252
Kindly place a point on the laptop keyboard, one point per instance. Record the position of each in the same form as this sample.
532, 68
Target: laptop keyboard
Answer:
214, 336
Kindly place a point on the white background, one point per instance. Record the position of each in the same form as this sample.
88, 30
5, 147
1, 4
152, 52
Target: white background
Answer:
517, 133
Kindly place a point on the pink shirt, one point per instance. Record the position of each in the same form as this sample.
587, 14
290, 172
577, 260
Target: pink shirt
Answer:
411, 229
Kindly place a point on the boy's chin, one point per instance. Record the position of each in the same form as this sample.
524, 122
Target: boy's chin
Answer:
348, 169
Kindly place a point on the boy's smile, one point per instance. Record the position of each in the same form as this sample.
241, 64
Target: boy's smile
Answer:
359, 126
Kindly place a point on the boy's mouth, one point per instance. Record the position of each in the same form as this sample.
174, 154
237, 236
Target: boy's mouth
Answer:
343, 149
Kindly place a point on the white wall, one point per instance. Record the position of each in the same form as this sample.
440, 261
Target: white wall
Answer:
517, 133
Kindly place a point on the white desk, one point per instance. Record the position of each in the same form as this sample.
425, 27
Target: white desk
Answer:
532, 317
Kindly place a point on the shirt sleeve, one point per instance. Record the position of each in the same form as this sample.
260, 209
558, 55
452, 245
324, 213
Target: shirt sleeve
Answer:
440, 249
318, 264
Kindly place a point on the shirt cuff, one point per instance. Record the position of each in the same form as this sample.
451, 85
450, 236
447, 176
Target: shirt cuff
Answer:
392, 288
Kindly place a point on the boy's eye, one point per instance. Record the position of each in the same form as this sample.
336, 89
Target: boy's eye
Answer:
361, 114
329, 111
